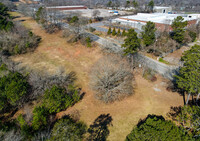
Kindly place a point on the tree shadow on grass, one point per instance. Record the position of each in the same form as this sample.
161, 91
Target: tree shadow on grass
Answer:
99, 129
142, 121
174, 112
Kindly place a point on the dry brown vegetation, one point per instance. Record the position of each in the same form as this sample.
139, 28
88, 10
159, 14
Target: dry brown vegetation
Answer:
54, 52
111, 78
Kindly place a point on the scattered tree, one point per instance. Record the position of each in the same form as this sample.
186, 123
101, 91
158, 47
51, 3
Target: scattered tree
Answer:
109, 4
76, 25
193, 35
96, 13
151, 5
128, 3
88, 41
135, 4
40, 15
74, 20
164, 44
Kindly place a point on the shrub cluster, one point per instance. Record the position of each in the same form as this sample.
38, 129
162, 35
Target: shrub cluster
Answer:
91, 29
67, 129
58, 98
164, 44
48, 20
19, 40
5, 19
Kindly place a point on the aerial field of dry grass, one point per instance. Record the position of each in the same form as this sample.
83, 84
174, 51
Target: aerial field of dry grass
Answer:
148, 98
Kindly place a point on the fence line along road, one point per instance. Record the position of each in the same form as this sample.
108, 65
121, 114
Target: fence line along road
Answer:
166, 70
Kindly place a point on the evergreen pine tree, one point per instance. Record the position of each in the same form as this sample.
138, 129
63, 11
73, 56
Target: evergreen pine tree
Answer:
149, 35
178, 26
124, 33
114, 32
131, 43
109, 31
119, 32
189, 73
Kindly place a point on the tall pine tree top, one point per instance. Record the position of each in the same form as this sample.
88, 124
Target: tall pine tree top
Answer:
149, 33
131, 43
189, 74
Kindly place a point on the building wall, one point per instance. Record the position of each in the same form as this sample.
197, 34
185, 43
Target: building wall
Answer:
160, 26
69, 8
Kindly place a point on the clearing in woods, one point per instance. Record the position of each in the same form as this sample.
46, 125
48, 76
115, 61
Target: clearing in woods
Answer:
54, 52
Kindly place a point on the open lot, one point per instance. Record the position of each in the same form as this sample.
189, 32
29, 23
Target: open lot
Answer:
148, 98
88, 12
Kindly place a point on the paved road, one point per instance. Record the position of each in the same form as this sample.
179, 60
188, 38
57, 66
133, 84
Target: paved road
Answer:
106, 44
167, 71
99, 27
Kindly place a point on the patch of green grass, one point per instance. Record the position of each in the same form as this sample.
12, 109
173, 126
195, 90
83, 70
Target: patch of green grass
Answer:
163, 61
14, 14
98, 34
149, 74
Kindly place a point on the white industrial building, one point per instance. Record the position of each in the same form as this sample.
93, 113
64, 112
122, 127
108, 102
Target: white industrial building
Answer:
162, 21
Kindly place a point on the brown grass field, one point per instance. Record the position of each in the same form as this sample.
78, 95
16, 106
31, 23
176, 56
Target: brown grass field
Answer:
54, 52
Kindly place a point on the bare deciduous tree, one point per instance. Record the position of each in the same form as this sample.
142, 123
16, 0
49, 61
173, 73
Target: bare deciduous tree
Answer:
12, 135
11, 6
96, 13
19, 40
164, 44
111, 79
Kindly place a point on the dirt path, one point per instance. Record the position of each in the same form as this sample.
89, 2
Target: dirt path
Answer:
149, 98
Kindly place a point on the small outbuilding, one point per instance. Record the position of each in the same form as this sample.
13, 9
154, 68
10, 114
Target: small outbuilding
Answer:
160, 9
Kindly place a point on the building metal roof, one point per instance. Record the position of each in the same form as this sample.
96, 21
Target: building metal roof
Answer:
156, 17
